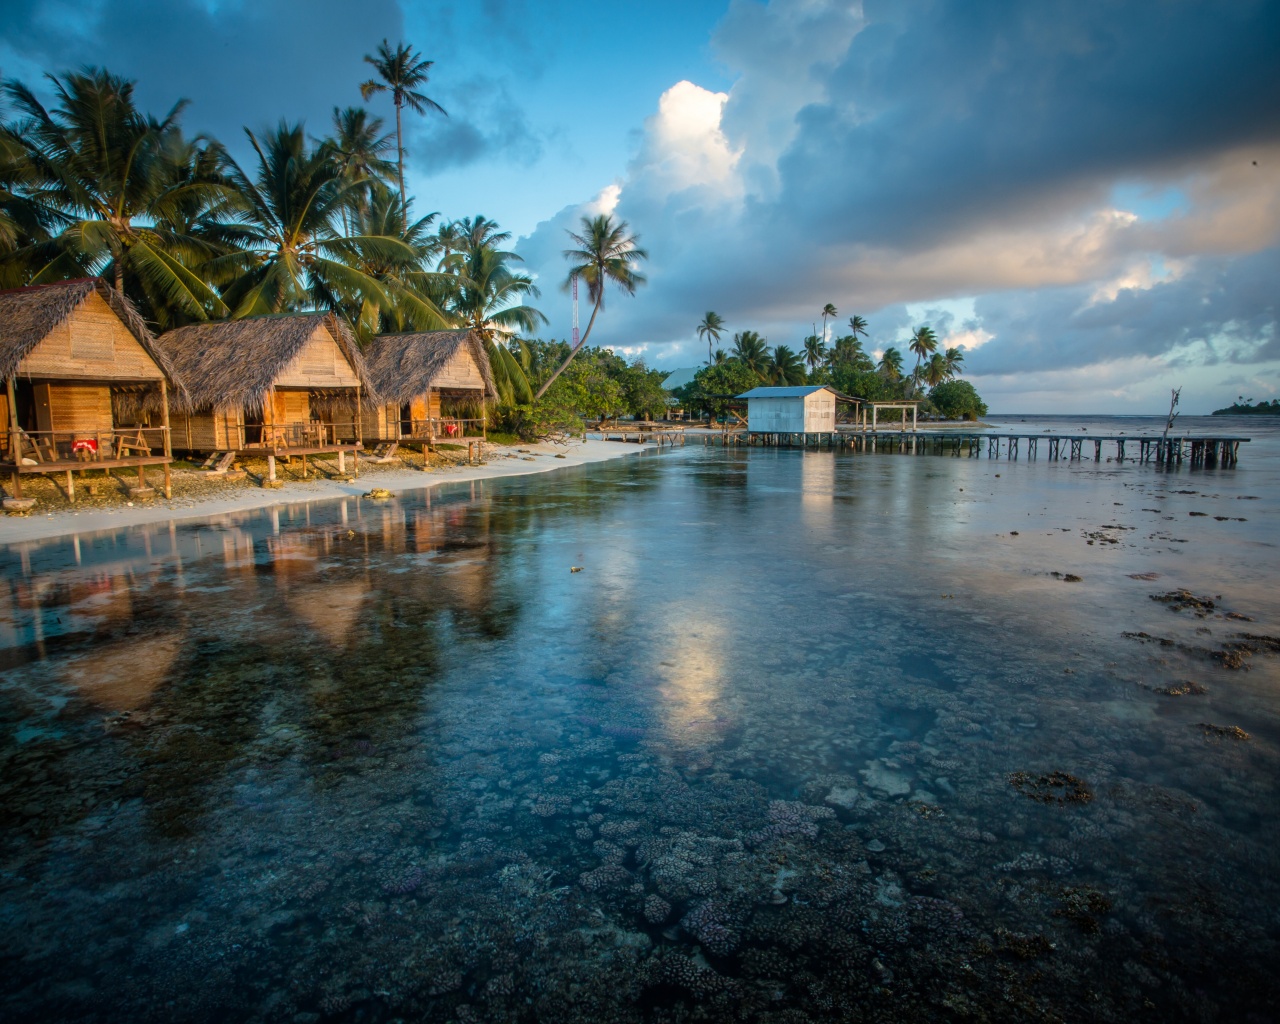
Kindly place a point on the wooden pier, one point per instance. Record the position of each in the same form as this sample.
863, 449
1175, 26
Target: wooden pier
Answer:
1197, 451
638, 433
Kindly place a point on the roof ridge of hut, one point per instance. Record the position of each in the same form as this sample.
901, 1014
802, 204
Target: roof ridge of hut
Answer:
226, 364
403, 364
28, 314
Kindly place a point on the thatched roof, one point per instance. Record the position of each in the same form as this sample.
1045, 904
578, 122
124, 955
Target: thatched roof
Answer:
402, 366
229, 364
27, 315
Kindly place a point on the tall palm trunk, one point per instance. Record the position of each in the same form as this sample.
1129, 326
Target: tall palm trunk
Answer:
572, 352
400, 151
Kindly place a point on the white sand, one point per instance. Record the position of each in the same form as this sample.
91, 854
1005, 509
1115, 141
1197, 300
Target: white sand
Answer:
502, 462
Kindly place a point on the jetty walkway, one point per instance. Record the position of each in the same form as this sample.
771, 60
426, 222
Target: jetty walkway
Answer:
1203, 450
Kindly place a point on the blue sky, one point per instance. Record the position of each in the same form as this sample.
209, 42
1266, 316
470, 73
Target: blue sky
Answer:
1084, 196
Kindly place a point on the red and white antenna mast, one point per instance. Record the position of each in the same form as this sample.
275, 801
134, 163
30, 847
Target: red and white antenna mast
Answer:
575, 310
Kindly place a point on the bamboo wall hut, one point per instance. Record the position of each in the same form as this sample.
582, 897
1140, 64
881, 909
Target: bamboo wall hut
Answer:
286, 384
86, 385
420, 379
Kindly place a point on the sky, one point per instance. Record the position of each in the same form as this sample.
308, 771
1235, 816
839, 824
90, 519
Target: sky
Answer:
1084, 195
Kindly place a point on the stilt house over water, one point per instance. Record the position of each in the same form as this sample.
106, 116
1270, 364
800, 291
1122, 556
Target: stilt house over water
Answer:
86, 384
792, 410
289, 384
430, 385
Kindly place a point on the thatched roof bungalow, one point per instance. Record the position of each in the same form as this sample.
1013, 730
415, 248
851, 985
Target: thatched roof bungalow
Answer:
286, 381
422, 380
84, 378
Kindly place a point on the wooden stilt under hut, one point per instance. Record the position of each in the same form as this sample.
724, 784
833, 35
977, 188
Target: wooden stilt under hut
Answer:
280, 386
86, 386
430, 386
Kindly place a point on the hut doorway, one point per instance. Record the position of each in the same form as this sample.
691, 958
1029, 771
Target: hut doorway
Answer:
406, 420
253, 422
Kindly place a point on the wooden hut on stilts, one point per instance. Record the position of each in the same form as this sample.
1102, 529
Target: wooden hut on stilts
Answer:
86, 386
282, 386
430, 386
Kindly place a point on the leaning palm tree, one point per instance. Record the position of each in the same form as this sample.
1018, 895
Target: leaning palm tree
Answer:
749, 349
108, 171
294, 255
954, 358
891, 364
402, 72
606, 253
815, 351
828, 310
923, 344
711, 328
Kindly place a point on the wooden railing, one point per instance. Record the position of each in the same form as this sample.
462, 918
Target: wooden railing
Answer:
88, 446
447, 428
282, 436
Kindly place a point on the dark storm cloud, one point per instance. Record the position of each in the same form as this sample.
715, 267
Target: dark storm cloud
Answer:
1225, 310
944, 113
254, 62
247, 62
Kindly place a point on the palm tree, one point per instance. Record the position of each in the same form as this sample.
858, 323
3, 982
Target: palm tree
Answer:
891, 364
934, 371
749, 349
489, 297
358, 145
785, 367
848, 351
815, 351
857, 326
415, 292
402, 72
719, 358
605, 253
294, 256
107, 173
711, 328
954, 359
923, 343
827, 311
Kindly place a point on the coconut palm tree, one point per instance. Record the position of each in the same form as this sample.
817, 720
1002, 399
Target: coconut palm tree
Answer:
785, 367
749, 349
828, 310
711, 328
923, 344
891, 364
402, 72
857, 326
955, 359
489, 296
719, 358
815, 351
106, 173
358, 144
848, 351
417, 294
605, 253
293, 254
934, 370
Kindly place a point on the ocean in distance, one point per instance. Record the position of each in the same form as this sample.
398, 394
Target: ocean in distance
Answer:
811, 736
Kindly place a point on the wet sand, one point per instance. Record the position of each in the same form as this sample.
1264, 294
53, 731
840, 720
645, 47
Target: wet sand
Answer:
502, 462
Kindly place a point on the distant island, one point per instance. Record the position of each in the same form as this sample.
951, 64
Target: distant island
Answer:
1271, 408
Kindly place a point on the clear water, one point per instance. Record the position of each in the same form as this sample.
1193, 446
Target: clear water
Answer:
784, 749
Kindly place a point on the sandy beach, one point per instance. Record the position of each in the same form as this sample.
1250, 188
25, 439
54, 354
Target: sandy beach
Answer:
502, 461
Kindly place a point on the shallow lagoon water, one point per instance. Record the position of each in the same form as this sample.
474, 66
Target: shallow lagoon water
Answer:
811, 736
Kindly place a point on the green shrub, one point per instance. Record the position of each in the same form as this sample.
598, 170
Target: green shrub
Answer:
958, 400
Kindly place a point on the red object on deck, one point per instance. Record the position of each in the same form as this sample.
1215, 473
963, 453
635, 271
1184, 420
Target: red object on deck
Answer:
451, 429
84, 444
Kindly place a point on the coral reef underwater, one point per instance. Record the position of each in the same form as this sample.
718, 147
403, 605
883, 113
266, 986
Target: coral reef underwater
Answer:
773, 755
